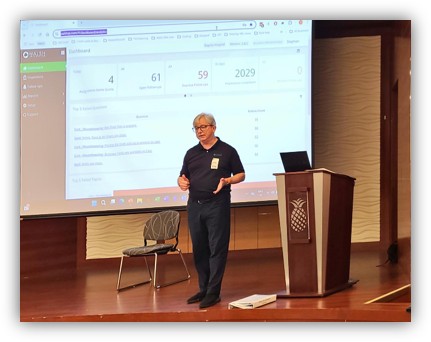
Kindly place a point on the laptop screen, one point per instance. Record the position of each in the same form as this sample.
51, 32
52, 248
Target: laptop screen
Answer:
295, 161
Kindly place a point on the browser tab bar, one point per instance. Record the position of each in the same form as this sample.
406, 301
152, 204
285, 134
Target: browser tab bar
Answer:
197, 27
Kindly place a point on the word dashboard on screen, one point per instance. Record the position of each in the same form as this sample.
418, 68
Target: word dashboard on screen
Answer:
107, 107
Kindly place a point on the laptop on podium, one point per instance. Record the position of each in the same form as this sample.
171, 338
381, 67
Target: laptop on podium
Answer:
295, 161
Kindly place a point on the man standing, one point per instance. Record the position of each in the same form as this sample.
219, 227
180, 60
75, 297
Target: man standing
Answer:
208, 170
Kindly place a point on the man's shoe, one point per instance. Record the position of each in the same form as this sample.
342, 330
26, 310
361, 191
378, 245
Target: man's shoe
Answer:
196, 298
209, 300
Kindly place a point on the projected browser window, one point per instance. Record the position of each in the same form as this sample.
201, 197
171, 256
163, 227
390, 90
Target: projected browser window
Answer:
107, 107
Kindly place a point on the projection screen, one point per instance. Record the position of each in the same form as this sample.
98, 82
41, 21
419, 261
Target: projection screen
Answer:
107, 107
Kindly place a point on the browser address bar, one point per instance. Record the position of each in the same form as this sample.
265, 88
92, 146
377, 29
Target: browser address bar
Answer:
156, 29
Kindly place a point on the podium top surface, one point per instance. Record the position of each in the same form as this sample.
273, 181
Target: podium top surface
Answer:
319, 170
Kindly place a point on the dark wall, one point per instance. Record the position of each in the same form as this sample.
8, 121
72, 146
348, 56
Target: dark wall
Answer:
48, 244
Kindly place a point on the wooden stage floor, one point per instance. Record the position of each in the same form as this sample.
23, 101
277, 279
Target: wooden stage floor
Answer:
89, 294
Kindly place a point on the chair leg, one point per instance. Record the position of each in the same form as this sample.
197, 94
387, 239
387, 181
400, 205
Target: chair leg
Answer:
148, 269
132, 285
184, 263
153, 277
155, 270
158, 286
119, 273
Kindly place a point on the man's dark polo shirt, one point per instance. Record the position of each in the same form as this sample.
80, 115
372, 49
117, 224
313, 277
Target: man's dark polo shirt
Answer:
204, 168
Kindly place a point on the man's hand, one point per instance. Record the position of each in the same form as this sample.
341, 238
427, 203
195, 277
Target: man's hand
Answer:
221, 184
183, 182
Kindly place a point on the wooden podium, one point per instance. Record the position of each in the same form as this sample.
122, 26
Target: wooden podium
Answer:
315, 209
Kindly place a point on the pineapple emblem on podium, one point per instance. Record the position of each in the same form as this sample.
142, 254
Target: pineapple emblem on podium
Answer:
299, 230
298, 217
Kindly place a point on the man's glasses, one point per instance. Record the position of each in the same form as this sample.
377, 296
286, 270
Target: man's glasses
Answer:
202, 128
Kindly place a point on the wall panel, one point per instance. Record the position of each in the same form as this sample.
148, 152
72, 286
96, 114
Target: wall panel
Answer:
347, 122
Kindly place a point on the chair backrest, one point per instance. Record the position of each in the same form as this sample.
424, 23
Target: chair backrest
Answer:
163, 225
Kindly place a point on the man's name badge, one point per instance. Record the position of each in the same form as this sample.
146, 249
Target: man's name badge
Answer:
214, 163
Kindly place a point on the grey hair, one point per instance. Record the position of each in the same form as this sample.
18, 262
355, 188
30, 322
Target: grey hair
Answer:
208, 117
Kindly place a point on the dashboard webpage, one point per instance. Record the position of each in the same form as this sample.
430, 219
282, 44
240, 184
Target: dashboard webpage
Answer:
107, 107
